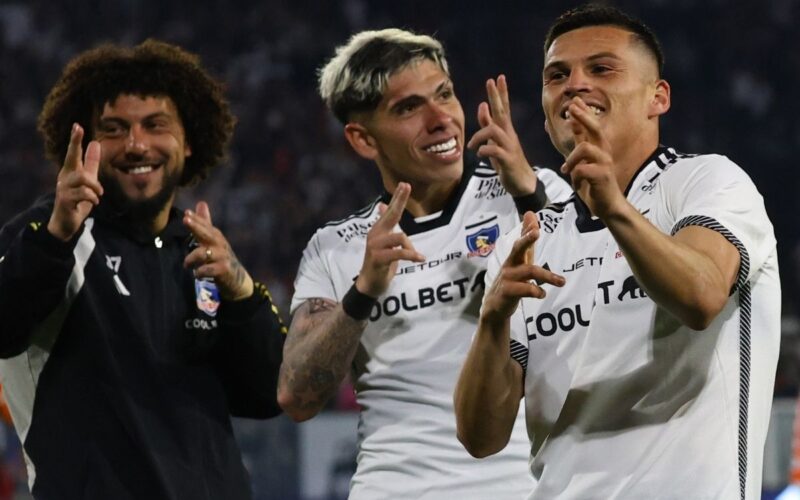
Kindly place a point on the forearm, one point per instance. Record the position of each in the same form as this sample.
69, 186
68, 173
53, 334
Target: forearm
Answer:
488, 391
318, 354
33, 276
250, 351
679, 277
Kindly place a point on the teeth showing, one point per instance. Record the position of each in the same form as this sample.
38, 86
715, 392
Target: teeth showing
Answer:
594, 109
443, 148
141, 170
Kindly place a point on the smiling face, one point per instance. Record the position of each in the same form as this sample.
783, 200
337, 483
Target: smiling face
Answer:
616, 76
416, 133
143, 153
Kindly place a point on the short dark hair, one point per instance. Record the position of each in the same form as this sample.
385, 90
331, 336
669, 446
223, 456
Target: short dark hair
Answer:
603, 15
153, 68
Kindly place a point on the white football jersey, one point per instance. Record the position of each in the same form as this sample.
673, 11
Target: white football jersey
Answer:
417, 338
622, 400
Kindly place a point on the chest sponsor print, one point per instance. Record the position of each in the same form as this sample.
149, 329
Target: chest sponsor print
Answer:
566, 319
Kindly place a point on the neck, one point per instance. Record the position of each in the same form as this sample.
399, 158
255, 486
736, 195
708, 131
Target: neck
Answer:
160, 221
426, 199
628, 161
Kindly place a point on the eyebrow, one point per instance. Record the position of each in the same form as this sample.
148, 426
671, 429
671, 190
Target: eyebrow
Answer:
117, 119
413, 98
593, 57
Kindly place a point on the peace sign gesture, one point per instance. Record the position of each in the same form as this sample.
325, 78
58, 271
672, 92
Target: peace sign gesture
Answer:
590, 164
214, 257
385, 246
77, 187
499, 142
518, 277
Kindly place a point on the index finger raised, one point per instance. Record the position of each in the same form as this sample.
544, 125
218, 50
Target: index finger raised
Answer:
72, 160
522, 250
584, 120
495, 100
396, 206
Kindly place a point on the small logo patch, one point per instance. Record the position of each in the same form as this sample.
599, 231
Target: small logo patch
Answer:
481, 243
207, 296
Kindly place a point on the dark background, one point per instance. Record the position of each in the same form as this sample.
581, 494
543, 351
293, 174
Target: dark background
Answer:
733, 67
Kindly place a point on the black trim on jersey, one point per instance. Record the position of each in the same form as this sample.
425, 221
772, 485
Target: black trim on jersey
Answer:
653, 158
519, 353
585, 222
360, 213
661, 158
745, 301
410, 226
481, 223
484, 174
560, 206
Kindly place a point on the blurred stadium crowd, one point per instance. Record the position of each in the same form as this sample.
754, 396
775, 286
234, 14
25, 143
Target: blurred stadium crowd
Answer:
731, 65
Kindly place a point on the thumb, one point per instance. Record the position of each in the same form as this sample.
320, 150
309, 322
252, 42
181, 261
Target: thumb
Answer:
203, 211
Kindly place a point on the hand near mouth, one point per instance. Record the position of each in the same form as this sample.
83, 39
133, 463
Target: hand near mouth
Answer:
498, 141
590, 165
77, 187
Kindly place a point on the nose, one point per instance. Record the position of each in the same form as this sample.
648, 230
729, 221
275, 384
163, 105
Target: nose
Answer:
437, 117
577, 83
136, 143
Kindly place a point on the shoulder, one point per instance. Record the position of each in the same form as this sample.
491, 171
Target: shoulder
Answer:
558, 190
38, 213
350, 228
689, 167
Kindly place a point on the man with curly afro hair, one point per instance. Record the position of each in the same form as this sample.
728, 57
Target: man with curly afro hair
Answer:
131, 330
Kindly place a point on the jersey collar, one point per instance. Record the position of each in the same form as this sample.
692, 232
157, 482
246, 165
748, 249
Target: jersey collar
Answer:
410, 226
585, 222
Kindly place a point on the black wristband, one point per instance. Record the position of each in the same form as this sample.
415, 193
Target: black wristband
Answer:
357, 305
533, 202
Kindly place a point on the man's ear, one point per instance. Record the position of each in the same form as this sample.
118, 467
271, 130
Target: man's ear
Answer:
661, 99
361, 140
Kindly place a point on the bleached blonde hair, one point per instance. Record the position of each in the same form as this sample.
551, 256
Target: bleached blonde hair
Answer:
355, 78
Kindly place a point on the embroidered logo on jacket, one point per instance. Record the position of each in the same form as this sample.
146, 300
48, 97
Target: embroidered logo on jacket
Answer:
481, 243
207, 296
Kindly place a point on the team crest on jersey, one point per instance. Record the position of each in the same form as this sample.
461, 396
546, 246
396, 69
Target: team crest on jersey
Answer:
481, 243
207, 296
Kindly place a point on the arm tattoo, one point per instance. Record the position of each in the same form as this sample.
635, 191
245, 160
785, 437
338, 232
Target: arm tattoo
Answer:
320, 305
239, 274
319, 350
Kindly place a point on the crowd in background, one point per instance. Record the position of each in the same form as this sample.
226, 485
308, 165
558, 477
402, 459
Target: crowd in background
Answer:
731, 65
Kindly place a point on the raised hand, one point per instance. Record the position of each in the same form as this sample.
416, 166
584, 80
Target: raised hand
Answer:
385, 246
77, 187
498, 140
516, 276
214, 257
590, 164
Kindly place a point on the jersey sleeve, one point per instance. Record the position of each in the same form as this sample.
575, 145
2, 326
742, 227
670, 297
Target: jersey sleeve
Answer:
313, 276
715, 193
519, 341
34, 269
249, 354
558, 190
